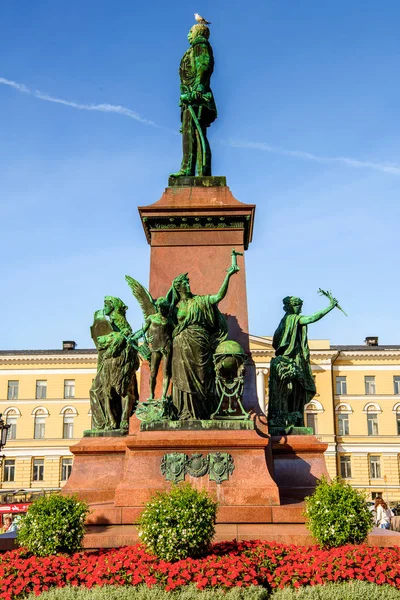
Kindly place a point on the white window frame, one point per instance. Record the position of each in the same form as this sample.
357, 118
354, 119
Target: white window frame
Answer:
11, 420
343, 417
9, 469
312, 416
68, 426
370, 385
375, 471
66, 468
39, 466
341, 385
345, 462
69, 388
12, 390
41, 384
372, 423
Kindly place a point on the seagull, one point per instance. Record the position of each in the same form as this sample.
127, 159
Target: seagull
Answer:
201, 20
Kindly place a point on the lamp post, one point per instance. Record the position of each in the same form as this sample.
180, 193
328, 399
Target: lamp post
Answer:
386, 489
3, 435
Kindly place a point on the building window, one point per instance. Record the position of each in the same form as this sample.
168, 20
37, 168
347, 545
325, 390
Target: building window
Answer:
341, 385
12, 390
396, 384
9, 469
372, 422
69, 388
40, 425
68, 425
343, 422
376, 495
66, 468
41, 389
370, 384
345, 467
398, 421
311, 421
375, 467
11, 420
38, 469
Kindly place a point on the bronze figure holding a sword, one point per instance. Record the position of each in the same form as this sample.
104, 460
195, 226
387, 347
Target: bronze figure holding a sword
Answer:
197, 103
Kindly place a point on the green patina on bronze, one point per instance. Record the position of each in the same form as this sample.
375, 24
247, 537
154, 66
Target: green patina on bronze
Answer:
210, 181
186, 334
198, 109
182, 330
221, 466
290, 430
229, 359
156, 333
197, 465
173, 466
196, 425
114, 390
218, 465
291, 384
200, 327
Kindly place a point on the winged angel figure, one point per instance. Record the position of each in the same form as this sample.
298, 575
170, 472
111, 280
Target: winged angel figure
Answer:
156, 333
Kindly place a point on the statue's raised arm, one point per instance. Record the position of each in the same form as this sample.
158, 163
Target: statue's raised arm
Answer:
291, 383
234, 268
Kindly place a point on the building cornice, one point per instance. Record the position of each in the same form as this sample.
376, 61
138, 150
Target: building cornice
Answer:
368, 354
45, 359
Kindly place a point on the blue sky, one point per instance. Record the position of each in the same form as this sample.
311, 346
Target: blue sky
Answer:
308, 129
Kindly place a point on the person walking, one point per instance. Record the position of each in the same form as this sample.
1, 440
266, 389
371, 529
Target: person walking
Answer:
383, 514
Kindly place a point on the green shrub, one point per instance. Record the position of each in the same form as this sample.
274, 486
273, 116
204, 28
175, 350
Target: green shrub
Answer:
142, 592
338, 514
354, 590
179, 523
53, 524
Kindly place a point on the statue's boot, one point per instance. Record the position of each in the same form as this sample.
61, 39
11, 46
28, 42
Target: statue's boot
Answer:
181, 173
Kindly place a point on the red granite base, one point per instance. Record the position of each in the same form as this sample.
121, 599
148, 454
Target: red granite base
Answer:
117, 476
98, 468
106, 513
299, 464
126, 535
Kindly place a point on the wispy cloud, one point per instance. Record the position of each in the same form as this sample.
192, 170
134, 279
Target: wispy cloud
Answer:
127, 112
108, 108
350, 162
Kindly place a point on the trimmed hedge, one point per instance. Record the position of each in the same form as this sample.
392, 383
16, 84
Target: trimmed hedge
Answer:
53, 524
142, 592
338, 514
178, 523
352, 590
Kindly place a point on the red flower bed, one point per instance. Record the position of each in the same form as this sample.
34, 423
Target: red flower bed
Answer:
229, 564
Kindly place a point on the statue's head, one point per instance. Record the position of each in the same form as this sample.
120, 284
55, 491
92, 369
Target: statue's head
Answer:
162, 305
198, 30
181, 283
292, 305
112, 304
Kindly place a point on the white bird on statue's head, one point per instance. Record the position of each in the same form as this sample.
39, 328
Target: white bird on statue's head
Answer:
201, 20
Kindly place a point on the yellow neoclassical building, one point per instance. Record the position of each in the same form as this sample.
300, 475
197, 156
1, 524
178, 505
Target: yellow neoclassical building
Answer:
44, 396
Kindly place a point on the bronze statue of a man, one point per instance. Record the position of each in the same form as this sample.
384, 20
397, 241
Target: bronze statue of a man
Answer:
291, 383
197, 103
